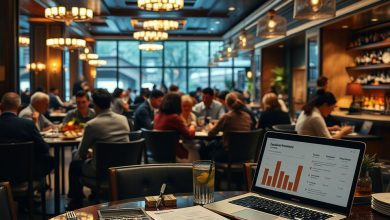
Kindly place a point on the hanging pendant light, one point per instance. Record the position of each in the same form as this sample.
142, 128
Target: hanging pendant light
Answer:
242, 42
271, 26
87, 55
314, 9
62, 14
150, 47
65, 43
160, 5
150, 35
228, 50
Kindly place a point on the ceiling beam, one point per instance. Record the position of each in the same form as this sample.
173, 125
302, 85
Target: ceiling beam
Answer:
172, 14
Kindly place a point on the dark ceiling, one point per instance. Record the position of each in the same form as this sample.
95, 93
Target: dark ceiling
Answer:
112, 17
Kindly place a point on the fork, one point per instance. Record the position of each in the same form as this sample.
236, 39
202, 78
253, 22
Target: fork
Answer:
71, 215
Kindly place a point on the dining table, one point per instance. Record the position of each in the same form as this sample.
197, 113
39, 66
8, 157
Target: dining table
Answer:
203, 135
186, 200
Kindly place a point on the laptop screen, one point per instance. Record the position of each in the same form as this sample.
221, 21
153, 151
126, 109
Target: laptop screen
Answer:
313, 168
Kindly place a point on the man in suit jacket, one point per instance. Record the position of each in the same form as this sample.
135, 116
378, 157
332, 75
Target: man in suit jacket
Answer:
38, 107
144, 114
107, 126
14, 129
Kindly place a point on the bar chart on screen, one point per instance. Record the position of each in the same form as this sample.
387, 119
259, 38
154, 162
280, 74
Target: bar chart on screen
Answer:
280, 179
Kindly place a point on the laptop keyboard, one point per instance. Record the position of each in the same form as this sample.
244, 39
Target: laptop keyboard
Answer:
279, 209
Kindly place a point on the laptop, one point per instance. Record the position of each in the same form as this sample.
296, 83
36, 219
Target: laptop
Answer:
299, 177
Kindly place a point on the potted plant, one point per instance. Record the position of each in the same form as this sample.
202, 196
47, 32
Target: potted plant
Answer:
364, 183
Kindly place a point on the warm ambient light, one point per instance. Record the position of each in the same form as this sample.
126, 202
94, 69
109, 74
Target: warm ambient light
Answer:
374, 19
66, 43
150, 47
314, 9
272, 26
242, 42
97, 62
24, 41
150, 35
35, 66
161, 25
63, 15
87, 55
231, 8
160, 5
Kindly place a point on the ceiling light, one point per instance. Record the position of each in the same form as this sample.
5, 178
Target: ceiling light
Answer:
228, 50
35, 66
150, 47
160, 5
374, 19
97, 62
242, 42
65, 43
24, 41
161, 25
231, 8
344, 26
211, 29
271, 26
314, 9
86, 55
68, 16
217, 22
150, 35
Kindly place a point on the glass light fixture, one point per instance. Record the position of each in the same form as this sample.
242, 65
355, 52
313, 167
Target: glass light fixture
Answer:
87, 55
160, 25
35, 66
242, 42
97, 62
150, 35
68, 16
24, 41
314, 9
271, 26
228, 50
66, 43
150, 47
160, 5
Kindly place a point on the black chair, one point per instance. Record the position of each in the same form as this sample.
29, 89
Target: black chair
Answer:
285, 128
7, 207
112, 155
242, 147
160, 146
17, 165
146, 180
135, 135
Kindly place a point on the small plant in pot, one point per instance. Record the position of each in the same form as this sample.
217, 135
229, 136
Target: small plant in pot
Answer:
364, 183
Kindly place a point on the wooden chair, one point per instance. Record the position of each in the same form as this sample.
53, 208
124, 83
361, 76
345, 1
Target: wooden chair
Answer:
7, 207
160, 146
249, 171
145, 180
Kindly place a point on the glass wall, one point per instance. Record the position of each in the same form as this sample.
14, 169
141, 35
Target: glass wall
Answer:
183, 63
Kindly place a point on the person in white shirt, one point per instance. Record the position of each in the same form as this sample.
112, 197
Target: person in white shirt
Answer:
311, 120
36, 110
209, 107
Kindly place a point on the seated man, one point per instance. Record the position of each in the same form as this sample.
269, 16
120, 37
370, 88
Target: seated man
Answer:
35, 111
107, 126
144, 114
209, 107
14, 130
55, 101
82, 114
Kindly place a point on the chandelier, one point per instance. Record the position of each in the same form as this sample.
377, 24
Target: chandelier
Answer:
68, 16
272, 26
150, 47
24, 41
35, 66
242, 42
66, 43
314, 9
97, 62
160, 25
160, 5
87, 55
150, 35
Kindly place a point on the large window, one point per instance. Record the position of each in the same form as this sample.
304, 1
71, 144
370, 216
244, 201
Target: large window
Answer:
183, 63
24, 74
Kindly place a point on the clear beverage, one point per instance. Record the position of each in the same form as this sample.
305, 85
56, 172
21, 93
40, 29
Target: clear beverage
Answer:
203, 172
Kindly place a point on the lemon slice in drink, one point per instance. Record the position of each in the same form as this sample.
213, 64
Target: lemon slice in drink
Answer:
202, 178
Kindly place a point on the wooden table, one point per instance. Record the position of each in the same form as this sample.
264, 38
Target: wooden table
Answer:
186, 200
59, 145
203, 135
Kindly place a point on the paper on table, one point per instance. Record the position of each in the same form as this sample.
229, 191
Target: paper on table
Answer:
195, 212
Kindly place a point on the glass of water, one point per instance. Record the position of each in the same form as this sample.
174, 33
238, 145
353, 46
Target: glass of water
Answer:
203, 172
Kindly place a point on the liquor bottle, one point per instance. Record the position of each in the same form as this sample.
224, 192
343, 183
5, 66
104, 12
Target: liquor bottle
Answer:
373, 58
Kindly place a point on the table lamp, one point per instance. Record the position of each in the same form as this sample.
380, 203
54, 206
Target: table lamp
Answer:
354, 89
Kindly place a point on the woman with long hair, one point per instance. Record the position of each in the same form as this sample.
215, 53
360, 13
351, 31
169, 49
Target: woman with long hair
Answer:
119, 105
273, 113
311, 120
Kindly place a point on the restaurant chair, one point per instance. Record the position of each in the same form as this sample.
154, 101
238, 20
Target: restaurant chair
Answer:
160, 146
249, 173
7, 206
242, 147
112, 155
135, 135
285, 128
146, 180
19, 156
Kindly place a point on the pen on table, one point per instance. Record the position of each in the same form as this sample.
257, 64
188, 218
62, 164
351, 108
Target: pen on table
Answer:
161, 194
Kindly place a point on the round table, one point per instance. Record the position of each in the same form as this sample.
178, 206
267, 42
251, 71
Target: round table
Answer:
203, 135
186, 200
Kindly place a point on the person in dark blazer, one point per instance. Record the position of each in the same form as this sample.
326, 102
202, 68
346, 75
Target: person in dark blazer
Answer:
273, 114
14, 129
144, 114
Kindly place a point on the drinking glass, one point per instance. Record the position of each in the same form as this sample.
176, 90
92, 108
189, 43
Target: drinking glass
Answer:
201, 121
347, 123
203, 172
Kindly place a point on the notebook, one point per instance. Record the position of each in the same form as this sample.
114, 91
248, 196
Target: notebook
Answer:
299, 177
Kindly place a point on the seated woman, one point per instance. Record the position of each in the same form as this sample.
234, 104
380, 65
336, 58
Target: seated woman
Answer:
119, 105
234, 120
311, 120
168, 118
192, 146
273, 113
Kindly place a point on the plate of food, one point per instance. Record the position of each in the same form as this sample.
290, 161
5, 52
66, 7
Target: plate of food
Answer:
70, 135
